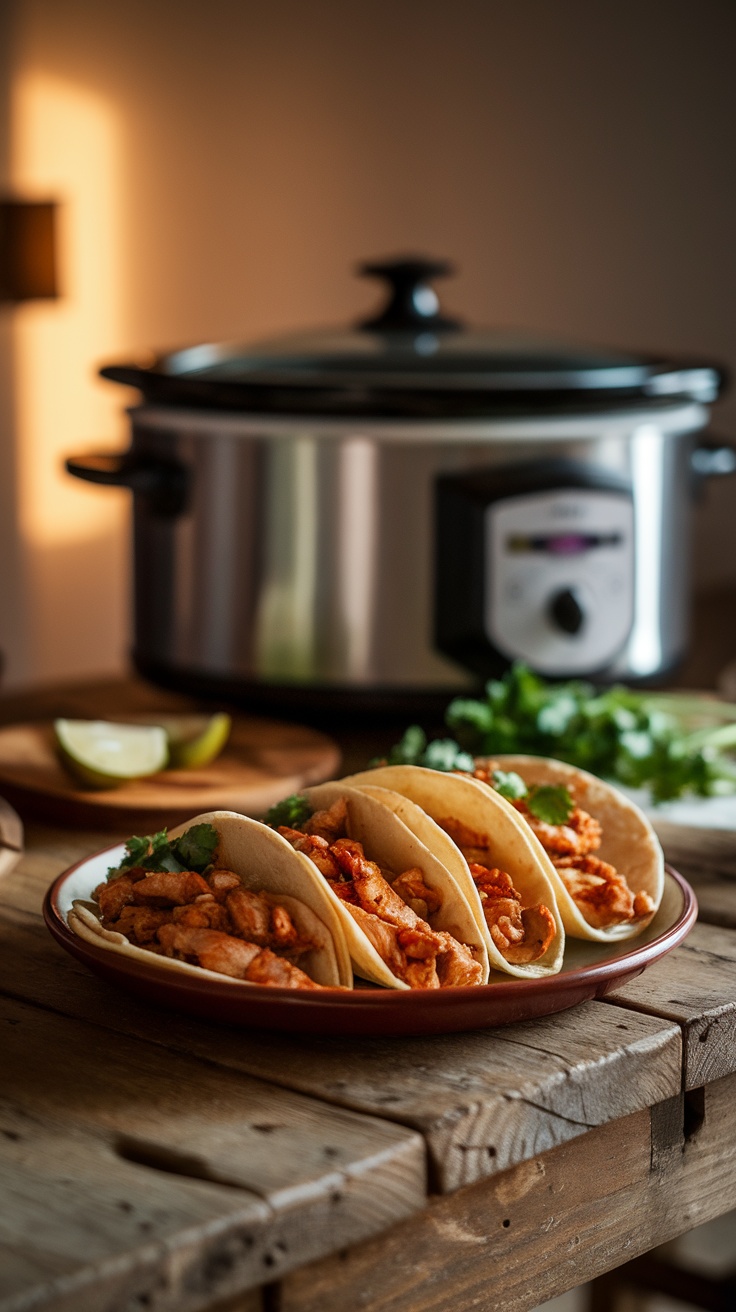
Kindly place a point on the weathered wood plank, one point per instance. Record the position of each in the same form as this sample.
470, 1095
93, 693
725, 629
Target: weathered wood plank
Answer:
114, 1225
224, 1126
35, 969
84, 1290
511, 1243
482, 1101
700, 851
110, 1147
254, 1300
695, 986
716, 894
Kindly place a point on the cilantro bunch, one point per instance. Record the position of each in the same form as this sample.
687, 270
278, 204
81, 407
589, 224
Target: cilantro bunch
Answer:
667, 742
192, 850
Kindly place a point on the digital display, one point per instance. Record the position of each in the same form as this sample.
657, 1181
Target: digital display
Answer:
561, 544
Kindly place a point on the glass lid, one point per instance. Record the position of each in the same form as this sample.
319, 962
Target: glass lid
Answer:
413, 359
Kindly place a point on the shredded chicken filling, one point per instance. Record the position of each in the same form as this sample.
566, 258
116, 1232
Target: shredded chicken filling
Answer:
210, 921
601, 892
391, 909
521, 933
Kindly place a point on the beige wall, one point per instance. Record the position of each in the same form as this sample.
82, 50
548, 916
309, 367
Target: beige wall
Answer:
576, 160
13, 654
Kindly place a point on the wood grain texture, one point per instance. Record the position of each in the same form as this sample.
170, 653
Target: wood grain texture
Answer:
254, 1300
107, 1151
700, 850
511, 1243
555, 1203
359, 742
263, 761
486, 1100
695, 986
481, 1101
716, 894
97, 700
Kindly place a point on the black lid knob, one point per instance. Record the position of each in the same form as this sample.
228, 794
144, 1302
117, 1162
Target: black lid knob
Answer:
566, 612
413, 305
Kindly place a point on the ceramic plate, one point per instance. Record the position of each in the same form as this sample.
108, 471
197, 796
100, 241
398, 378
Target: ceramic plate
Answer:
590, 970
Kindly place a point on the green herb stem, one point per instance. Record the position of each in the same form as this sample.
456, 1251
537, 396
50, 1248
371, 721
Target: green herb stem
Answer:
725, 736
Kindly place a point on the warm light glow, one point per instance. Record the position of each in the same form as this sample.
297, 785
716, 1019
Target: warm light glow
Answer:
66, 147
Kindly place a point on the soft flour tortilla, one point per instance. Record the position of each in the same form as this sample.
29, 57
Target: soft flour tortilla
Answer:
392, 844
628, 842
265, 863
422, 797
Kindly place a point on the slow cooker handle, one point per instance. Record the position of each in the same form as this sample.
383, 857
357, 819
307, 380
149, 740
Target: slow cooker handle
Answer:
714, 458
161, 483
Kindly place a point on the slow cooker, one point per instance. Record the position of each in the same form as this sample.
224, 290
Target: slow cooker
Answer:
383, 516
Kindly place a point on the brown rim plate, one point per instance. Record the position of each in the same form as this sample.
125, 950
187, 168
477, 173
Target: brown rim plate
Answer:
590, 970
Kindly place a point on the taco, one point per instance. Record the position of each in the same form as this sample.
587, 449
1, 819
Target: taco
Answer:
406, 922
603, 855
221, 895
490, 854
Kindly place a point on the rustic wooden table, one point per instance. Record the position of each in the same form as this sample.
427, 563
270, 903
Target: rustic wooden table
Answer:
150, 1161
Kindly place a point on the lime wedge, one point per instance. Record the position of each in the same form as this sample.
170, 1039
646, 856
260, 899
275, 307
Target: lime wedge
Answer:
195, 740
104, 755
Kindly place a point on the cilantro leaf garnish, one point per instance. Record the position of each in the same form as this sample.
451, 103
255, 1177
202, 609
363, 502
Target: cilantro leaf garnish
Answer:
136, 851
148, 853
161, 856
291, 812
551, 803
196, 848
509, 784
192, 850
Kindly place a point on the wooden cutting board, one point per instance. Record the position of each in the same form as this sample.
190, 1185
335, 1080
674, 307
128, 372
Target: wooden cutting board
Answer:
11, 838
264, 760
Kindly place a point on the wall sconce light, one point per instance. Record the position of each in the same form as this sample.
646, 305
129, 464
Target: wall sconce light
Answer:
27, 250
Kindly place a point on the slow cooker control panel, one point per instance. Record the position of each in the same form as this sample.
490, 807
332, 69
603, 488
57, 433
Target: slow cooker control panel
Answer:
535, 562
559, 577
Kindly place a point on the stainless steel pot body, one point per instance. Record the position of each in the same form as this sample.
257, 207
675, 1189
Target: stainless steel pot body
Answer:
313, 554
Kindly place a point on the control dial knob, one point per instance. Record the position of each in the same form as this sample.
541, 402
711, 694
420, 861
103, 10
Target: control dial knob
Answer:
566, 612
